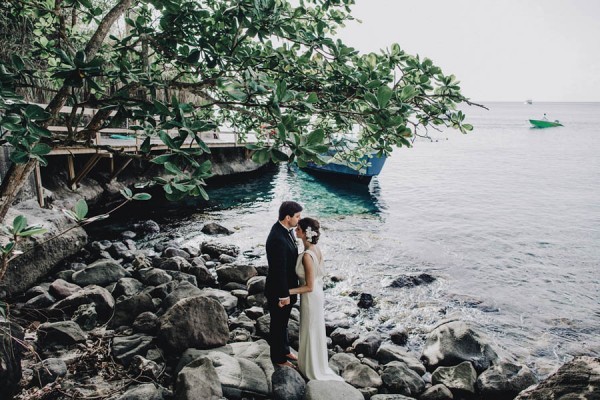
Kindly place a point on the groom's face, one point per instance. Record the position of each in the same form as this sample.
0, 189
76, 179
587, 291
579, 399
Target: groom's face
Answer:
293, 221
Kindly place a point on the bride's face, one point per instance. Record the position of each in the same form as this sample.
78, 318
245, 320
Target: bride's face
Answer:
299, 232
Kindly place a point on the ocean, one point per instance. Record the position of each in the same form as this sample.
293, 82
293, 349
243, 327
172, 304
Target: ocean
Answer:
506, 218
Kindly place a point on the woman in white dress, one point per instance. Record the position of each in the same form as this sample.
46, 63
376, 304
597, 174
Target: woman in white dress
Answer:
312, 352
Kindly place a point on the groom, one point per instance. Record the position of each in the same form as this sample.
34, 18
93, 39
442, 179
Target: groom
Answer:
282, 253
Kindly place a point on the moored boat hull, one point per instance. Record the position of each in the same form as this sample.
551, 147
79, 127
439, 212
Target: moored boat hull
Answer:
334, 170
538, 123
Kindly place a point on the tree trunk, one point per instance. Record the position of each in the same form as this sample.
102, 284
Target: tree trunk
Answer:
17, 174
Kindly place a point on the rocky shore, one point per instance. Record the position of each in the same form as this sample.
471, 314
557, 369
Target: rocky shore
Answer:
119, 322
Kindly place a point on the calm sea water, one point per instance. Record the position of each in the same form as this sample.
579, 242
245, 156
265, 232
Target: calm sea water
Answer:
507, 218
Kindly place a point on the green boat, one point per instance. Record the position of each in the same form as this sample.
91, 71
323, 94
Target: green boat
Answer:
540, 123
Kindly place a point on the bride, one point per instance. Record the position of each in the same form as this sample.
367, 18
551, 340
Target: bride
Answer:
312, 352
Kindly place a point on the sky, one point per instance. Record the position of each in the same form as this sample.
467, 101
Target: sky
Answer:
500, 50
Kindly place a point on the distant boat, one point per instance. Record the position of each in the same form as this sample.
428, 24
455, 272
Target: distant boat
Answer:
359, 172
540, 123
528, 101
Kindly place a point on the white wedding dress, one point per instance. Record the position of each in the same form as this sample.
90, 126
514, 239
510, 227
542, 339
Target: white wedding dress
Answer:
312, 352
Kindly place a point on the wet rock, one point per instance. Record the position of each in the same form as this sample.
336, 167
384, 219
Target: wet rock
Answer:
361, 376
411, 281
62, 289
388, 352
437, 392
577, 379
153, 276
128, 235
398, 378
399, 336
124, 348
366, 301
99, 296
504, 381
215, 229
120, 250
197, 322
146, 322
63, 333
460, 379
226, 259
287, 384
129, 308
334, 320
214, 250
198, 380
256, 284
127, 287
235, 273
49, 370
100, 273
86, 316
344, 337
368, 344
321, 390
147, 227
454, 342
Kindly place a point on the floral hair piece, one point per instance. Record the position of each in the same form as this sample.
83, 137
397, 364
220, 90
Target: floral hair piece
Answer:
310, 234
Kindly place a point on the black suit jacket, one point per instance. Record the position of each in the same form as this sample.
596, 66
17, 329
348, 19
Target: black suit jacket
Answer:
282, 254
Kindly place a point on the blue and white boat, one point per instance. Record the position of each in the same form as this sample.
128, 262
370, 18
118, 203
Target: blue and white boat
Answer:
363, 171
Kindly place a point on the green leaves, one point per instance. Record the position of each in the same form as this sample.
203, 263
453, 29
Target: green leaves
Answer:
384, 94
20, 228
79, 211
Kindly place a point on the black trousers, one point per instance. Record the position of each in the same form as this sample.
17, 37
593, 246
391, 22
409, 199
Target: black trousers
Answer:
278, 331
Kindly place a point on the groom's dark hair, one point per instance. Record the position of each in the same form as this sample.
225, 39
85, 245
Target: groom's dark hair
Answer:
288, 208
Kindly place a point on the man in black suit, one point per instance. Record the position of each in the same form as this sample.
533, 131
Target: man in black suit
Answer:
282, 253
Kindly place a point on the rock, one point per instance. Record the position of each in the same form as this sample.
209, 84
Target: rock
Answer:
263, 325
437, 392
120, 250
215, 249
235, 273
460, 379
254, 312
242, 321
388, 352
86, 316
197, 322
327, 390
257, 300
147, 227
577, 379
344, 337
175, 252
41, 301
127, 287
36, 291
287, 384
240, 335
226, 299
361, 376
97, 295
141, 367
198, 380
182, 291
340, 361
128, 235
101, 273
146, 322
179, 276
334, 320
215, 229
124, 348
154, 276
504, 381
129, 308
62, 289
399, 336
48, 371
60, 333
11, 352
454, 342
392, 397
368, 344
175, 263
140, 261
226, 259
398, 378
145, 391
411, 281
366, 301
256, 284
191, 250
203, 276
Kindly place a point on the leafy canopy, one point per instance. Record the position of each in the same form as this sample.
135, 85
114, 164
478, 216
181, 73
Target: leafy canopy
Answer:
270, 67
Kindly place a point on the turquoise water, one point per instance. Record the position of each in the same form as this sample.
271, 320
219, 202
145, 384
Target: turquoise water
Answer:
507, 218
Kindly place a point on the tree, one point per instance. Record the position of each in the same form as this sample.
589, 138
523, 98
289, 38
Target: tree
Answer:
264, 66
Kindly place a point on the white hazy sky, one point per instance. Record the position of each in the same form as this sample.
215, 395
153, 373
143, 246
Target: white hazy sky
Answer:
500, 50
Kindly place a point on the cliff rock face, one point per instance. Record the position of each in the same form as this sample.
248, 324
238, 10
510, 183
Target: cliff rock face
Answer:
30, 267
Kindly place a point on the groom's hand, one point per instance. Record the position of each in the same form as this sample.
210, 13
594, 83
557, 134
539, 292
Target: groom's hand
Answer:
284, 302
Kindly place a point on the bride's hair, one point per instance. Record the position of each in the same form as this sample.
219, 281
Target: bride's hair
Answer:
314, 226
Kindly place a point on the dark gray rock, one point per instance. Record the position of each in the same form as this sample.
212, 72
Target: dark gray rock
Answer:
242, 321
97, 295
183, 291
361, 376
344, 337
146, 322
262, 326
437, 392
256, 300
226, 259
368, 344
389, 352
147, 227
141, 367
215, 250
577, 379
227, 300
334, 320
327, 390
146, 391
412, 281
198, 380
101, 273
40, 301
340, 361
215, 229
62, 289
129, 308
203, 276
398, 378
175, 263
287, 384
197, 322
128, 235
119, 250
460, 379
62, 333
235, 273
240, 335
399, 336
48, 371
86, 316
127, 287
124, 348
256, 284
392, 397
153, 276
453, 342
366, 301
504, 381
254, 312
175, 252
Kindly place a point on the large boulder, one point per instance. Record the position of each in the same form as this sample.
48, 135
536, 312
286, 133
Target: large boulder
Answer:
213, 228
287, 384
361, 376
125, 348
60, 333
504, 381
368, 344
101, 273
227, 300
577, 379
453, 342
235, 273
100, 297
198, 322
129, 308
327, 390
460, 379
216, 249
399, 378
389, 352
